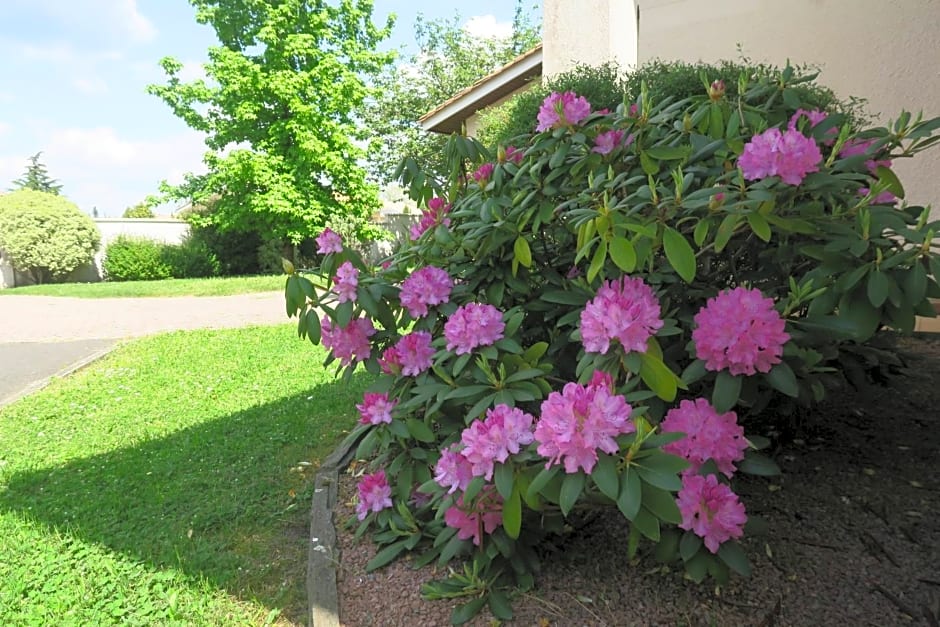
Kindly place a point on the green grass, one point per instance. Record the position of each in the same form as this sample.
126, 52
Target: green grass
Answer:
169, 483
222, 286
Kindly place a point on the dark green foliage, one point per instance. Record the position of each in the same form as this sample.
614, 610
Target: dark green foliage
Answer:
37, 178
236, 253
606, 86
130, 258
45, 235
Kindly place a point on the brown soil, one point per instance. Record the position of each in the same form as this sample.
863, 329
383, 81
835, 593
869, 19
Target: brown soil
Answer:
853, 536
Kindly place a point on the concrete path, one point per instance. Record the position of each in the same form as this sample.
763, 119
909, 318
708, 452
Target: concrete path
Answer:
42, 337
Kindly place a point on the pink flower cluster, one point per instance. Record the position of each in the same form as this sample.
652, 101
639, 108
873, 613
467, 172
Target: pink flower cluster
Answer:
346, 281
580, 420
473, 325
435, 214
329, 242
412, 353
739, 330
376, 408
565, 109
854, 147
608, 141
624, 309
791, 155
374, 494
453, 470
495, 438
514, 154
483, 174
428, 286
710, 510
484, 515
708, 435
349, 343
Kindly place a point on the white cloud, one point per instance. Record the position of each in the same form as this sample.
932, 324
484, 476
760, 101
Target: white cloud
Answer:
129, 16
118, 18
488, 27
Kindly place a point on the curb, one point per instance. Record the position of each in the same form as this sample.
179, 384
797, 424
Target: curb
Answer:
64, 372
323, 557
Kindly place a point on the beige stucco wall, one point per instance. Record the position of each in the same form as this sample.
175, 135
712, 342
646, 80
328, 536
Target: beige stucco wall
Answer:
887, 51
588, 32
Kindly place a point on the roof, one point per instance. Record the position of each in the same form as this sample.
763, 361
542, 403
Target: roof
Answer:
450, 115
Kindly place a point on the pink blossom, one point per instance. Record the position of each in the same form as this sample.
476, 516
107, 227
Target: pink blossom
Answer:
329, 242
708, 435
473, 325
483, 173
427, 286
374, 494
453, 471
599, 378
415, 352
815, 117
495, 438
740, 330
514, 154
634, 110
349, 343
884, 198
565, 109
390, 361
789, 155
854, 147
346, 281
435, 214
608, 141
376, 408
484, 515
710, 510
624, 309
578, 422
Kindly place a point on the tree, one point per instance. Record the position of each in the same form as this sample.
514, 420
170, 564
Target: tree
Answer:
140, 210
277, 107
37, 178
45, 235
449, 59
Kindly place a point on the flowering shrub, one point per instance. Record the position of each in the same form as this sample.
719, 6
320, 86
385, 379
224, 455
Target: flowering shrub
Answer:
589, 328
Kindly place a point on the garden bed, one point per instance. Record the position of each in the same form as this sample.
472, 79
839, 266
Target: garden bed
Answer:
852, 539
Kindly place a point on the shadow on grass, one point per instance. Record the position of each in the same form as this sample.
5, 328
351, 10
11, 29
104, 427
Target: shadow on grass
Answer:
225, 502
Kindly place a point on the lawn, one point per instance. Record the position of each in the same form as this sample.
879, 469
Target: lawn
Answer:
219, 286
169, 483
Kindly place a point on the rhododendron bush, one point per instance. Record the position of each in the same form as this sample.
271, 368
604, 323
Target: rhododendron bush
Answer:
602, 316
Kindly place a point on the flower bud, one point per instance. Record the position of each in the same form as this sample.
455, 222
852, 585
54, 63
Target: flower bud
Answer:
717, 90
716, 201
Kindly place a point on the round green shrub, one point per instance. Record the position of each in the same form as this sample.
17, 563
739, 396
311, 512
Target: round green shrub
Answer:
191, 259
130, 258
45, 235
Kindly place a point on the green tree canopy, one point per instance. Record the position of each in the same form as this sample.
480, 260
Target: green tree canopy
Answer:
37, 178
140, 210
277, 106
449, 59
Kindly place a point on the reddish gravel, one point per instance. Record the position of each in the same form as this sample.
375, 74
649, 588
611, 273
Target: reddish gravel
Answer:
854, 537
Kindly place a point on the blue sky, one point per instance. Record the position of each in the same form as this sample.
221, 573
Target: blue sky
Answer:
74, 78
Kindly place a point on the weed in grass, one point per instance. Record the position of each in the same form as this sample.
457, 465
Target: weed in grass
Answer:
168, 483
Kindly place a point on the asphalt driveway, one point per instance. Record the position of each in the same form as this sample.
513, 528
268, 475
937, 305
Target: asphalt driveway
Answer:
42, 337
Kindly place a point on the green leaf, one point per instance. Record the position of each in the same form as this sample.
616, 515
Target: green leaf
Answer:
504, 478
648, 524
668, 547
757, 464
664, 480
313, 327
878, 287
733, 555
889, 178
512, 514
605, 476
571, 488
294, 295
631, 495
700, 232
658, 377
781, 377
386, 556
541, 480
668, 152
727, 391
420, 431
759, 225
521, 252
725, 231
680, 254
597, 261
499, 605
650, 166
661, 503
689, 545
693, 372
465, 612
623, 253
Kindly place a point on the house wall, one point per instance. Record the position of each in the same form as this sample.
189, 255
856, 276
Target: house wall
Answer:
588, 32
887, 51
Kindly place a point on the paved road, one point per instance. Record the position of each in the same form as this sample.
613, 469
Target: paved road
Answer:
42, 336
